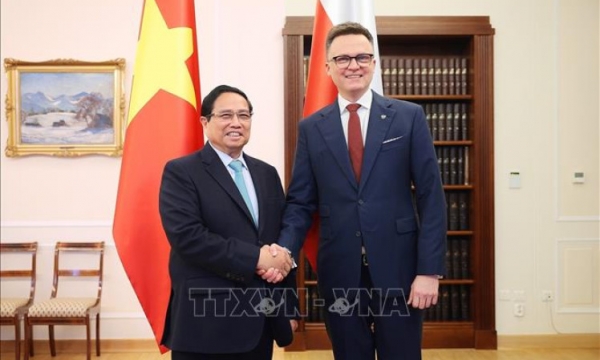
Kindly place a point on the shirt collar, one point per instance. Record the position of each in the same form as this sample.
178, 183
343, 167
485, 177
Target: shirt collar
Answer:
226, 159
364, 101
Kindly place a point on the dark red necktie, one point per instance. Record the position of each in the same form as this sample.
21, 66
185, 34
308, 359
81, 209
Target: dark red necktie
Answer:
355, 141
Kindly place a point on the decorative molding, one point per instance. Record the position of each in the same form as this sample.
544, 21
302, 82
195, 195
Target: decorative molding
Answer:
59, 224
122, 315
551, 341
558, 216
591, 218
563, 309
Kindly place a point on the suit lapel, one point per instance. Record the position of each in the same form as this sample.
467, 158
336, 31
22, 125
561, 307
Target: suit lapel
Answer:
331, 129
380, 119
216, 169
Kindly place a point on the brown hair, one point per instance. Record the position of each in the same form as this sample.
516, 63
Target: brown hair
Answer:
346, 28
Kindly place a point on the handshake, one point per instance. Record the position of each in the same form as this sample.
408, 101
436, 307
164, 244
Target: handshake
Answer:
274, 263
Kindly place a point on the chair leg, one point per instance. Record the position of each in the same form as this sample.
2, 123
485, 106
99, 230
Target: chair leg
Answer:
98, 334
87, 339
52, 344
28, 348
17, 337
30, 327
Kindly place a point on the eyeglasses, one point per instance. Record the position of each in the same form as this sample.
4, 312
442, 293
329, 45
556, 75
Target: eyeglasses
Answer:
343, 61
226, 116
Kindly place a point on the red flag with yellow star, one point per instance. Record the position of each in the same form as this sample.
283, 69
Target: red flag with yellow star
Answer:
163, 123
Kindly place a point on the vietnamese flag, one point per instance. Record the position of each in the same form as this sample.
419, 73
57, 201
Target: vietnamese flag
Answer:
163, 123
320, 90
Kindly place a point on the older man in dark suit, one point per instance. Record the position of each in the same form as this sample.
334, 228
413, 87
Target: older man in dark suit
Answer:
220, 208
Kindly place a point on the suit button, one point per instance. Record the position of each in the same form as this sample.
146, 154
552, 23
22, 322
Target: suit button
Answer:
361, 202
358, 234
228, 275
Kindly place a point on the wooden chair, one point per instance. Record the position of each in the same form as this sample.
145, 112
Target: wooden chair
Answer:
62, 310
12, 309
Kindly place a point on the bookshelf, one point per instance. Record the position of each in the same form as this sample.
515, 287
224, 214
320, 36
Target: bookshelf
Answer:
465, 316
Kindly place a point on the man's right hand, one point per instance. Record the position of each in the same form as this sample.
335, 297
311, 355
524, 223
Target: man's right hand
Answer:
274, 263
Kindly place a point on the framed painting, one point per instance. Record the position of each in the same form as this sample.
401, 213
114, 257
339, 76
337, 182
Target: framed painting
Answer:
65, 107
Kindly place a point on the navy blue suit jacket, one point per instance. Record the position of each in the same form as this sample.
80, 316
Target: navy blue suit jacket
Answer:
403, 230
216, 295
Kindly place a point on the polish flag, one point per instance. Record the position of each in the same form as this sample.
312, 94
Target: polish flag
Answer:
320, 90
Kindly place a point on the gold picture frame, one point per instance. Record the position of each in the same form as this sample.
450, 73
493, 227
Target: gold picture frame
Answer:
65, 107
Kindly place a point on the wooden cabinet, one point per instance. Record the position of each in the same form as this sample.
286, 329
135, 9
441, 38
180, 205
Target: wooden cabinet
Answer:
464, 140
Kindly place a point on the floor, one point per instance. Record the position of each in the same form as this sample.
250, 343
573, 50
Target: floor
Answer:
462, 354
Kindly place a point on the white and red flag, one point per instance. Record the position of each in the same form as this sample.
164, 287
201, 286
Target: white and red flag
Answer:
320, 90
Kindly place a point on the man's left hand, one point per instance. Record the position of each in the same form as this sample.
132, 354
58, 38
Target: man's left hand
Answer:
424, 291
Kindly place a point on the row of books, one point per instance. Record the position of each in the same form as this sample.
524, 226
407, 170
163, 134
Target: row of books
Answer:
453, 162
420, 75
457, 207
453, 304
447, 121
424, 75
458, 255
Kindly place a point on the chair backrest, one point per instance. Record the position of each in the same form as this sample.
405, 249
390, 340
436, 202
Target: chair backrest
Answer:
61, 271
27, 248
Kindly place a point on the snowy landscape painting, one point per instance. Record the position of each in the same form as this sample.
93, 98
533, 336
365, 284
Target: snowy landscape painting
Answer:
67, 109
50, 114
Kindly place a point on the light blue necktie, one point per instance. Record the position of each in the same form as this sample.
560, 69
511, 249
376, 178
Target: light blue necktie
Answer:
237, 166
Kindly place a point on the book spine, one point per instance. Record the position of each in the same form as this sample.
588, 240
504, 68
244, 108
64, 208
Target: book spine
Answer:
446, 166
449, 122
456, 128
453, 166
451, 79
464, 122
437, 64
401, 76
444, 90
454, 303
463, 76
408, 76
434, 122
424, 77
386, 75
460, 175
441, 122
463, 211
393, 75
431, 75
456, 258
427, 109
445, 303
457, 76
465, 296
464, 258
417, 77
453, 211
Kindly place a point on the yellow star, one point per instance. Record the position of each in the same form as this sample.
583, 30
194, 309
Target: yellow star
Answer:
160, 61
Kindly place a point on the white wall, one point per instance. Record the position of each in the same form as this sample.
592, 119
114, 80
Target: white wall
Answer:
546, 126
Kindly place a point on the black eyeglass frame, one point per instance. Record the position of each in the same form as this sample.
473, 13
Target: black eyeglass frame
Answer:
344, 58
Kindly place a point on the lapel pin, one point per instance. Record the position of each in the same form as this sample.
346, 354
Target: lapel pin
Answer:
383, 117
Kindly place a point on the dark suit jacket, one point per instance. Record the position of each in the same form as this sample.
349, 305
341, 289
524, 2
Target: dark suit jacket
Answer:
403, 231
216, 296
